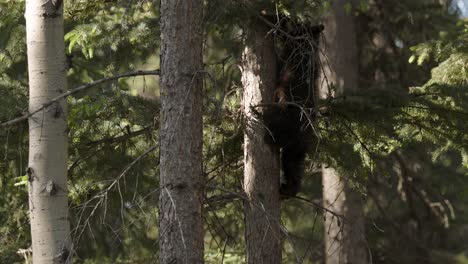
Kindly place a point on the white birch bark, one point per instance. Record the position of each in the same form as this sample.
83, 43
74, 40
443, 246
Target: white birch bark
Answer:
50, 228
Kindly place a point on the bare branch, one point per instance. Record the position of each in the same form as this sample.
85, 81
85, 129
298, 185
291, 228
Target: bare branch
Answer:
78, 89
127, 136
101, 197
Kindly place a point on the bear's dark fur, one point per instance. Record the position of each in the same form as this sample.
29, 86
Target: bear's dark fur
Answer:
288, 120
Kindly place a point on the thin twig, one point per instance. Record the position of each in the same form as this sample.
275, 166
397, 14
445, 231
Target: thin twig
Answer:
101, 197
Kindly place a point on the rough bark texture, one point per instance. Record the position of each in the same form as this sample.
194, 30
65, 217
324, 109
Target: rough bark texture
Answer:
50, 227
180, 224
344, 238
261, 161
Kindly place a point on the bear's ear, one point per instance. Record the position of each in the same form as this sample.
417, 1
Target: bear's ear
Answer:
318, 28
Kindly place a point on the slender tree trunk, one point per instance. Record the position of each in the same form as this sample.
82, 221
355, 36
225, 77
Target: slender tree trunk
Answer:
344, 238
180, 216
261, 161
50, 227
345, 241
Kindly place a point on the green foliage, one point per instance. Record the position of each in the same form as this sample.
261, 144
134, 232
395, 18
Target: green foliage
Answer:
109, 129
452, 41
84, 37
446, 93
12, 32
113, 29
103, 38
14, 210
14, 231
227, 257
109, 133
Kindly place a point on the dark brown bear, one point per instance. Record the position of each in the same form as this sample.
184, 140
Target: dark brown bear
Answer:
289, 121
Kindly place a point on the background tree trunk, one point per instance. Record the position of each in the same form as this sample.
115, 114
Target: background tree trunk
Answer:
48, 207
261, 161
345, 241
180, 224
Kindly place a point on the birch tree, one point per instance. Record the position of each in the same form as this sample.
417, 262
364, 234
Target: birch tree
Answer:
181, 224
47, 172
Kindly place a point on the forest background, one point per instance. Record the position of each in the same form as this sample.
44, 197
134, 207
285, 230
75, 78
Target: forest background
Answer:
402, 143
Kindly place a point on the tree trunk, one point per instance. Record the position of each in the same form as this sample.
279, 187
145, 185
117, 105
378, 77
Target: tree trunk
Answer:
180, 217
261, 161
48, 207
345, 241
